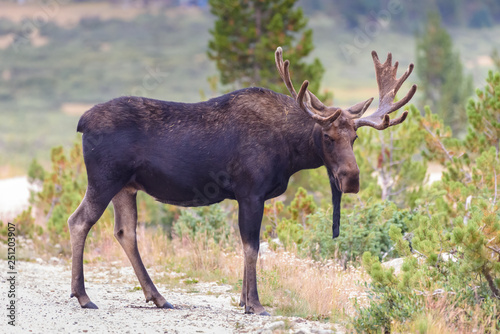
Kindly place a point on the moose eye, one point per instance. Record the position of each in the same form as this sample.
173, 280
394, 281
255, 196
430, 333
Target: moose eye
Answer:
328, 138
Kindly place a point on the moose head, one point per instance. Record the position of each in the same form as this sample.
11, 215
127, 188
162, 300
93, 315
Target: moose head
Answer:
338, 126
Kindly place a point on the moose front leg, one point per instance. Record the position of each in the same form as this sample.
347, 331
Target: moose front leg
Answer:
249, 220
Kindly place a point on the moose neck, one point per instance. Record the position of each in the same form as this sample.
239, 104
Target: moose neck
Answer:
305, 141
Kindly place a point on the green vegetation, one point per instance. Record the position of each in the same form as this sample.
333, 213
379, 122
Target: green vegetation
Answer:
454, 256
445, 87
209, 222
245, 36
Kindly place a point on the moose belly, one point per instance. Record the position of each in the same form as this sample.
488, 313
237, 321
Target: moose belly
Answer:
184, 187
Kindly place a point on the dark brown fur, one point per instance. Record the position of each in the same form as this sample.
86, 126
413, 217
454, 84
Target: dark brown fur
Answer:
244, 145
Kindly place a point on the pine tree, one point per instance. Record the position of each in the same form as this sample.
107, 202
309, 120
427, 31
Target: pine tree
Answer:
246, 34
444, 84
472, 182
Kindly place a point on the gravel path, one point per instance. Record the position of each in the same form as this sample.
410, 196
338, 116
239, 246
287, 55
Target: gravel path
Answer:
43, 305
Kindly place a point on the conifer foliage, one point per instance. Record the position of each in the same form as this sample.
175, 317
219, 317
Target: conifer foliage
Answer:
454, 258
445, 86
246, 34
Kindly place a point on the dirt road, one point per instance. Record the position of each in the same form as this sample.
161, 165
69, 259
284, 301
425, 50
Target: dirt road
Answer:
43, 305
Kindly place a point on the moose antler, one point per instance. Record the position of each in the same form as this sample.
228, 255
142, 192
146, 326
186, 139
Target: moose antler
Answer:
312, 102
388, 86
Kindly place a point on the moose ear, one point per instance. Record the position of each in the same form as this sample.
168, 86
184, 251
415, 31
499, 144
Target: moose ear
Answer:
359, 109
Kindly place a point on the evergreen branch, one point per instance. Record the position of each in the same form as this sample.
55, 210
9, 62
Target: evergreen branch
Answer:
416, 251
491, 283
448, 155
493, 249
55, 201
489, 131
443, 148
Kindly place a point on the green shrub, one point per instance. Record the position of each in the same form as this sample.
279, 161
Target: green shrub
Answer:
25, 225
363, 229
208, 221
289, 223
456, 232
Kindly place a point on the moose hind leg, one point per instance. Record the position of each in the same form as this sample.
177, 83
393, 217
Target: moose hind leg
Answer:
125, 206
80, 223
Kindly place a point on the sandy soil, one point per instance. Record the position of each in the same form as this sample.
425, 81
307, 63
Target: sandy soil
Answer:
44, 306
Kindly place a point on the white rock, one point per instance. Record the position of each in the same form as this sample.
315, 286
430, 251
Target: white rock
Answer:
395, 263
302, 331
448, 257
275, 325
321, 331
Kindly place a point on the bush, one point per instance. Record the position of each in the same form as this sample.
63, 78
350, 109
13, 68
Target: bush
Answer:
209, 221
25, 226
364, 229
289, 223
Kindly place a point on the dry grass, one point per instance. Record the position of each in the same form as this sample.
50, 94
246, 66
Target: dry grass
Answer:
442, 315
288, 285
307, 288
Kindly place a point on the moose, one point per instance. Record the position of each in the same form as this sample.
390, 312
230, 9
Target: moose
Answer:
243, 145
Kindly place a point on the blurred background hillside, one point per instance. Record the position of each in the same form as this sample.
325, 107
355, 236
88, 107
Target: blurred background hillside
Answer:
60, 57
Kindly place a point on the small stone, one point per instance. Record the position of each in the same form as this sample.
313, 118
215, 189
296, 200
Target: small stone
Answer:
275, 325
322, 331
302, 331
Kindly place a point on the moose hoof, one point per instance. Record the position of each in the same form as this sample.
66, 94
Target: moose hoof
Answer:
251, 310
167, 305
90, 305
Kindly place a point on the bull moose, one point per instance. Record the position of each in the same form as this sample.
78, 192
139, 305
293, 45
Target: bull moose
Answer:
243, 145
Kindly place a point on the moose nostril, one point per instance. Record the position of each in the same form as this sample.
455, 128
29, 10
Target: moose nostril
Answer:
349, 174
349, 179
